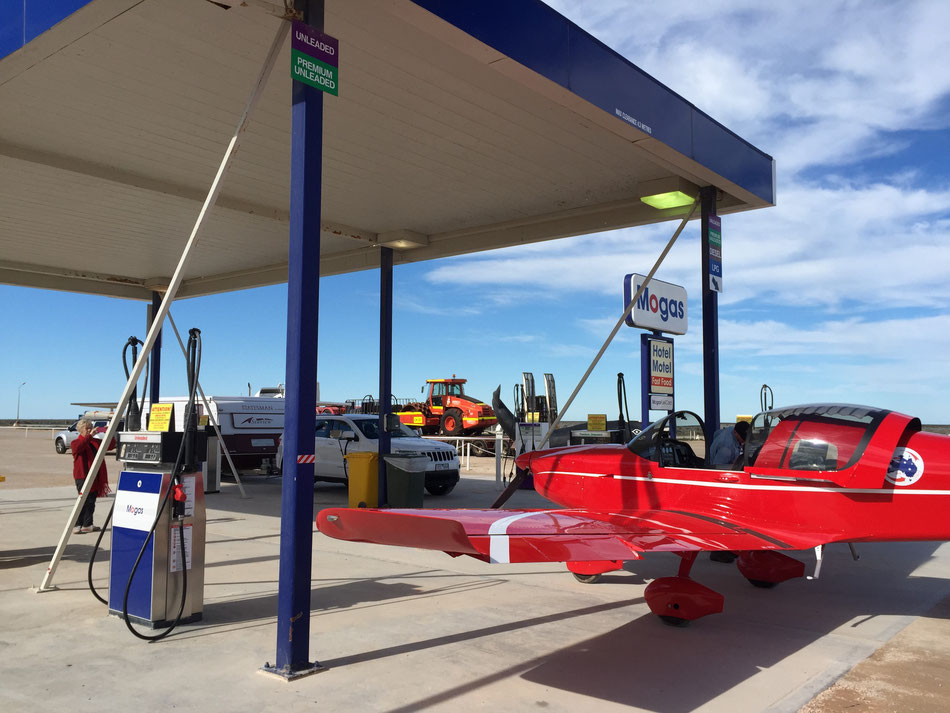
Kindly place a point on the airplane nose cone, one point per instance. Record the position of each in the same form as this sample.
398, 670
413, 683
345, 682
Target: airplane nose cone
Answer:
523, 462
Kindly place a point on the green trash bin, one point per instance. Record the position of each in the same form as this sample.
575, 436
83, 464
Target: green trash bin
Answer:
405, 479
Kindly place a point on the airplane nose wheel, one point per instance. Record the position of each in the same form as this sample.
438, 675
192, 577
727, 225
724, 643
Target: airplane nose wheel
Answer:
679, 600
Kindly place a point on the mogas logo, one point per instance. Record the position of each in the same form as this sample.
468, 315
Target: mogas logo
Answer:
661, 306
134, 510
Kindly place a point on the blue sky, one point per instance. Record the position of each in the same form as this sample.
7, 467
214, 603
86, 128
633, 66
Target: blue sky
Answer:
839, 293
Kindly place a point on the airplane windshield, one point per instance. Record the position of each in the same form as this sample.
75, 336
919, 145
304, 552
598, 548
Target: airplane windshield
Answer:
675, 441
819, 437
642, 444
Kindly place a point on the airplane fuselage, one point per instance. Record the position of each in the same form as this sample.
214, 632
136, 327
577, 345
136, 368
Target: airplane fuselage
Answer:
859, 503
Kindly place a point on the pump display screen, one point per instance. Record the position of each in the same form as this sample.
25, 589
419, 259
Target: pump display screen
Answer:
157, 447
141, 452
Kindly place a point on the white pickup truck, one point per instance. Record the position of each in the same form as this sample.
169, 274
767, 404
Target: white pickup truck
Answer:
338, 435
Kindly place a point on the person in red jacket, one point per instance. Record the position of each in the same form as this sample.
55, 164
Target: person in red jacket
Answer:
84, 452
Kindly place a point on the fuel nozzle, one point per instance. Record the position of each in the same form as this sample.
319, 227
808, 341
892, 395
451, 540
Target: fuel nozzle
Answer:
178, 501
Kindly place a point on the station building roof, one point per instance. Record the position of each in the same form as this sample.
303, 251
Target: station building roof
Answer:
460, 126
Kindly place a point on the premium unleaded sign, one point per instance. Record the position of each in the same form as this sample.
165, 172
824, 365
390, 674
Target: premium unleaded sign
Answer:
315, 58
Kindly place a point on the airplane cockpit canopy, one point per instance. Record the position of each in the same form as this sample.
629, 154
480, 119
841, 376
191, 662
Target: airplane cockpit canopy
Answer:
811, 437
671, 440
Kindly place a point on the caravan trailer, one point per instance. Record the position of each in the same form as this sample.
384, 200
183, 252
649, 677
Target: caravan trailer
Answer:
251, 427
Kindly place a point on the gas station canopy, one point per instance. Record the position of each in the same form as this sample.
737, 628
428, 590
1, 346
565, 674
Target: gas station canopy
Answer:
459, 127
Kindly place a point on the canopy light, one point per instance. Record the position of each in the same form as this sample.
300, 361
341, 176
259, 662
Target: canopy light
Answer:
668, 192
403, 239
670, 199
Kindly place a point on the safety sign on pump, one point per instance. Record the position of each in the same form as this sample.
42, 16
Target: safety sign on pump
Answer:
661, 307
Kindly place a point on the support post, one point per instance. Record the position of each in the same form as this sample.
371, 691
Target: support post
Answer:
385, 363
296, 524
154, 389
707, 198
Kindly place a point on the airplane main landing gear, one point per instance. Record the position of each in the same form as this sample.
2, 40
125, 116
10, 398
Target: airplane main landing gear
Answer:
679, 600
766, 568
589, 572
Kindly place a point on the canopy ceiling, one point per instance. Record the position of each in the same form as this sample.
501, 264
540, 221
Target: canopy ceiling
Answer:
460, 126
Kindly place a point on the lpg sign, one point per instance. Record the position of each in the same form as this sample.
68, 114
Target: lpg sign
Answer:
661, 307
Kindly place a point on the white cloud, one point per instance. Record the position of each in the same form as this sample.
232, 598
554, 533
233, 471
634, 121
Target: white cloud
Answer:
810, 82
839, 292
874, 246
435, 308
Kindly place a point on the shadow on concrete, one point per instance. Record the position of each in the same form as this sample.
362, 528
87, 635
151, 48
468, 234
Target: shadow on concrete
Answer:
327, 599
655, 667
11, 559
403, 649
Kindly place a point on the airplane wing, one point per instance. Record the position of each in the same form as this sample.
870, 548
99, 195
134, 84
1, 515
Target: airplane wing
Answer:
553, 535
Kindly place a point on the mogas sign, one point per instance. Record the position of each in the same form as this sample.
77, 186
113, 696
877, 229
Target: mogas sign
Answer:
661, 307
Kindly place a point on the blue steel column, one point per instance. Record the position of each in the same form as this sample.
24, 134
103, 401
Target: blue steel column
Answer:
710, 320
385, 362
296, 524
155, 377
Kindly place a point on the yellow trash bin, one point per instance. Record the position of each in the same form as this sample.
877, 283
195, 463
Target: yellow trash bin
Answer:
363, 479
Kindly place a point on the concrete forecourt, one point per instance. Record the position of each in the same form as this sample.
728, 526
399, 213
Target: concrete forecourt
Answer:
403, 630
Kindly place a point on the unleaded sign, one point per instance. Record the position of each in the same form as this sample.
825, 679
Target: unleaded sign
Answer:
315, 58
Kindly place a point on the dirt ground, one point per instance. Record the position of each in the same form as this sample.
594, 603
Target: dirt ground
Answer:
906, 675
30, 460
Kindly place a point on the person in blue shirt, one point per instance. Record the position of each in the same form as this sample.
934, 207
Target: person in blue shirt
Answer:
726, 446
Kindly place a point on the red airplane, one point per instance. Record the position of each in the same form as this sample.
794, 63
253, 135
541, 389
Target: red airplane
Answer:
809, 476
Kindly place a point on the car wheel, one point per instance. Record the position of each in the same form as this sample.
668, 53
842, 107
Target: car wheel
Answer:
444, 489
61, 446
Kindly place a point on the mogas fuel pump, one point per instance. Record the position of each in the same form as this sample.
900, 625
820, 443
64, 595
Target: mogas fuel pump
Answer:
156, 573
150, 580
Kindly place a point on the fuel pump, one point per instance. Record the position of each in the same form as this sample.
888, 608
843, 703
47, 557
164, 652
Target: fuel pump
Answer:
623, 421
156, 575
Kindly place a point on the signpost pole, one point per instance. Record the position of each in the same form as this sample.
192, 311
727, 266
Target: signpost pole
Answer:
644, 380
707, 198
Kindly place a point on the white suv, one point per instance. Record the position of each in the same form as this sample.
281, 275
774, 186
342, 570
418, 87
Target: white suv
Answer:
337, 435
